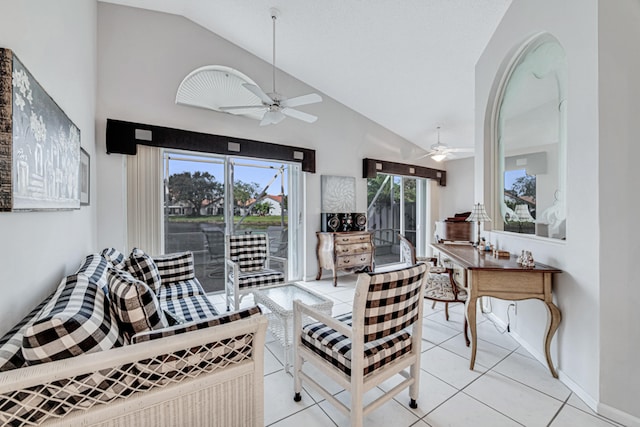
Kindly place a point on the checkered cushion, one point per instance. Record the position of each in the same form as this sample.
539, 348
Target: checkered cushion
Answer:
393, 301
177, 290
254, 279
135, 304
196, 307
248, 250
336, 348
142, 267
11, 343
115, 257
79, 322
95, 268
175, 267
196, 325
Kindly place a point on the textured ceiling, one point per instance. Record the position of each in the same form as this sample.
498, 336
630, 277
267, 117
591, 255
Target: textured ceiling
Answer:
408, 65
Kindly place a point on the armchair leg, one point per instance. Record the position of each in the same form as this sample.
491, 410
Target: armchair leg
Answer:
413, 404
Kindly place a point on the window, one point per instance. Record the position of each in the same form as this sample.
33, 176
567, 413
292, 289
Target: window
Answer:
394, 206
208, 196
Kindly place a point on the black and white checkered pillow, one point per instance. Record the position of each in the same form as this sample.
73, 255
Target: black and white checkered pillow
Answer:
248, 250
80, 321
95, 268
143, 268
115, 257
134, 303
176, 267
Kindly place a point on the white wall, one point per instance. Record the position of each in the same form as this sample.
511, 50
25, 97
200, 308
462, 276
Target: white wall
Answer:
593, 348
619, 152
56, 41
458, 195
143, 56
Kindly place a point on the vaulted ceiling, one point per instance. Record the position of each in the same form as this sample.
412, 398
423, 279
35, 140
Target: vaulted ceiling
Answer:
407, 65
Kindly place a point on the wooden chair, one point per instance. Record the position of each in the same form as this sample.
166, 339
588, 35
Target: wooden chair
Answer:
247, 266
379, 339
441, 286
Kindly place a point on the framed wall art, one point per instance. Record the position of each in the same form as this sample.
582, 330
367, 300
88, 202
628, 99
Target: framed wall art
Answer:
85, 177
39, 144
338, 193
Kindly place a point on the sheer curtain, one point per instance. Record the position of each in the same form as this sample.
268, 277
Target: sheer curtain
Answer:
145, 200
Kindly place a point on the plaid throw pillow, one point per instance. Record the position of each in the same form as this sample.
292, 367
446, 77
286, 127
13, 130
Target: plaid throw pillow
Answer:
80, 321
135, 304
143, 268
177, 267
95, 268
115, 257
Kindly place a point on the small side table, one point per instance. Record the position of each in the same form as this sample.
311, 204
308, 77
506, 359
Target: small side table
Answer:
279, 299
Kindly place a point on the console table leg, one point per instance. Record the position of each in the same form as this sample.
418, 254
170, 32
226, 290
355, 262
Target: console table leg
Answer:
552, 326
471, 319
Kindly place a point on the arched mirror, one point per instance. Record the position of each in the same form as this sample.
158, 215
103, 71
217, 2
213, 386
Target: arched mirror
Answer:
531, 140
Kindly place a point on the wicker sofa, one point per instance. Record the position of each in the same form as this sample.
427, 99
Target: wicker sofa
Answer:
133, 341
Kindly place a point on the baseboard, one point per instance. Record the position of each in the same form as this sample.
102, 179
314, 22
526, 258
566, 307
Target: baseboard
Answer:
598, 407
618, 416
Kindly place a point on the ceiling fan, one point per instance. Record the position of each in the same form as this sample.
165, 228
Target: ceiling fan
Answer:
275, 106
440, 151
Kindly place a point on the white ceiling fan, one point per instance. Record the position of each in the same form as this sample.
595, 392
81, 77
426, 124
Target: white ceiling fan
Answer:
440, 151
275, 106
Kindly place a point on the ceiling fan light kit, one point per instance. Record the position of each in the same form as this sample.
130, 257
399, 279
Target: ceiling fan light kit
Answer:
440, 151
227, 90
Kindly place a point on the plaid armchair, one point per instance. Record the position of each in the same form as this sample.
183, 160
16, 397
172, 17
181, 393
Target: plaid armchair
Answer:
381, 338
247, 266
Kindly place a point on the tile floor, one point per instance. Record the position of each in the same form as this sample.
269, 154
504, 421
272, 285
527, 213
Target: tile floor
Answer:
508, 387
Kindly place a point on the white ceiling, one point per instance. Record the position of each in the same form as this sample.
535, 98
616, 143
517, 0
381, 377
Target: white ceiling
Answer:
408, 65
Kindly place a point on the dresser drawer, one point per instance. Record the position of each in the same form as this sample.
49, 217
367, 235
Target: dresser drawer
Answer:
353, 238
352, 249
353, 260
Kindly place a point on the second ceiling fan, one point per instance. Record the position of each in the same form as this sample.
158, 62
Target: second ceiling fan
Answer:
276, 107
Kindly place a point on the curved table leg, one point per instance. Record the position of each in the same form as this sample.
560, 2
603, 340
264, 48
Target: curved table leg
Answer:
471, 320
552, 326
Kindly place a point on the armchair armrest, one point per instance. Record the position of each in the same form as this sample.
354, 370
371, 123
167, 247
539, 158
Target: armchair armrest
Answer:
300, 308
282, 260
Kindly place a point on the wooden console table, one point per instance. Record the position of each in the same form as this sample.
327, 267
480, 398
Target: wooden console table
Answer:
503, 278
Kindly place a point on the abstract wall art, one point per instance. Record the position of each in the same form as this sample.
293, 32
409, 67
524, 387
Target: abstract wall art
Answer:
338, 193
39, 144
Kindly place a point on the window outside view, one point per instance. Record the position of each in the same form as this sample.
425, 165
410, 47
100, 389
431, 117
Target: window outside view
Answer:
197, 213
520, 198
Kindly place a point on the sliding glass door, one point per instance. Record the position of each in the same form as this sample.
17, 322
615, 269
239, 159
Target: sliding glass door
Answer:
208, 196
393, 207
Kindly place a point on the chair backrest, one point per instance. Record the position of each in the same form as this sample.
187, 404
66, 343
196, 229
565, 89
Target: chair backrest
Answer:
248, 250
407, 251
214, 239
393, 300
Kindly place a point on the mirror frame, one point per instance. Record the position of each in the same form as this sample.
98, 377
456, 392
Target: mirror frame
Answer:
514, 59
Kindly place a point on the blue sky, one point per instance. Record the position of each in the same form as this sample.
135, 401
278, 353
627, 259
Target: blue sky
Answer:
511, 176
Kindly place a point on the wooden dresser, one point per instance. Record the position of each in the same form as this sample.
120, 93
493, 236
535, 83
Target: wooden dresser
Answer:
344, 251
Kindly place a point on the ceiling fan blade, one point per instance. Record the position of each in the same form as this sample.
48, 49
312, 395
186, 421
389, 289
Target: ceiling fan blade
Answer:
272, 118
242, 107
461, 150
296, 114
311, 98
259, 93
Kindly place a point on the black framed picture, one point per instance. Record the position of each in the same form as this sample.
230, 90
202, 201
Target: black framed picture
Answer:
85, 175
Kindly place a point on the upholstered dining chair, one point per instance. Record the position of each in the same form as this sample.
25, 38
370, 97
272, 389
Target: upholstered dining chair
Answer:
379, 339
441, 286
247, 266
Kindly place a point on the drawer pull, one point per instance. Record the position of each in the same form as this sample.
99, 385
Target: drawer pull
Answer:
346, 261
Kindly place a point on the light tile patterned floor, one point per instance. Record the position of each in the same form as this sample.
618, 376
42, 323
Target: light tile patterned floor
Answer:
508, 387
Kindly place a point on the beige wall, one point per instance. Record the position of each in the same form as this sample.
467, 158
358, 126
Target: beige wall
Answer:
56, 41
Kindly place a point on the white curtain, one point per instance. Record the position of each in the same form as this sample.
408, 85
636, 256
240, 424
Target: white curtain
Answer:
145, 200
